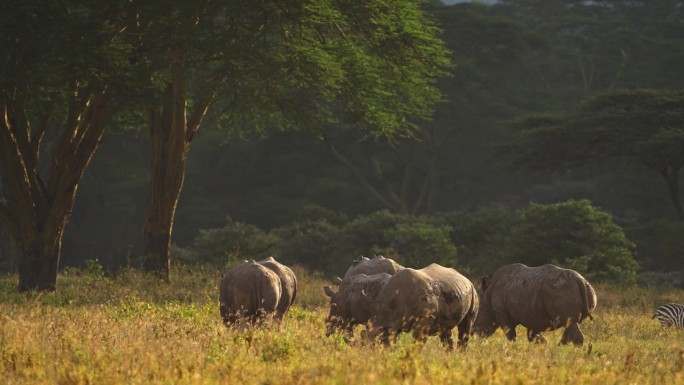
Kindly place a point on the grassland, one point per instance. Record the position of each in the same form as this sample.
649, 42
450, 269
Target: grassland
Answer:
128, 330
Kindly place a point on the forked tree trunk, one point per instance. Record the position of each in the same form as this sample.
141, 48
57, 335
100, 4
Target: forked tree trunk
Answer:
36, 211
171, 133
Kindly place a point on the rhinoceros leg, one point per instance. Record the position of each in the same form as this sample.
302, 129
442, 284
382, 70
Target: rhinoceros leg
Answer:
445, 338
507, 324
464, 330
349, 328
385, 336
510, 333
573, 334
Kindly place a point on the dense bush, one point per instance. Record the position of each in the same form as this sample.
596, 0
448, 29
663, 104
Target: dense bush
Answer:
410, 240
482, 237
576, 235
419, 244
571, 234
308, 242
659, 245
232, 242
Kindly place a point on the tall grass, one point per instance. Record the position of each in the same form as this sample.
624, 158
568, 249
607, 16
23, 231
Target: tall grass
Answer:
131, 330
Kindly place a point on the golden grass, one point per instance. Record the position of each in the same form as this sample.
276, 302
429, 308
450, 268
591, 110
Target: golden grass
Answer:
126, 330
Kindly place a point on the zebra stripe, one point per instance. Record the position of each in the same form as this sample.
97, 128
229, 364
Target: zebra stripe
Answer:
670, 314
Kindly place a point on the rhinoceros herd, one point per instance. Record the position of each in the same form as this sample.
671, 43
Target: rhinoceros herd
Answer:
390, 299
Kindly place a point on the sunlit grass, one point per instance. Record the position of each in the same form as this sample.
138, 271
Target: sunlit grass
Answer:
128, 330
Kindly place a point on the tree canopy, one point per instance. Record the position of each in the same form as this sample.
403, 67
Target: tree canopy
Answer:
645, 126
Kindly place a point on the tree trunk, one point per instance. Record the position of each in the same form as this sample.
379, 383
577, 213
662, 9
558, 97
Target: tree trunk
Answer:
38, 265
168, 172
35, 213
171, 133
671, 176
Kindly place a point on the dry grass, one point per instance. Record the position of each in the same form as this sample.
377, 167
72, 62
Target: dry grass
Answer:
127, 330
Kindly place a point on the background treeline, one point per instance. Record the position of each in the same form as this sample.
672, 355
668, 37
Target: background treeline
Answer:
443, 195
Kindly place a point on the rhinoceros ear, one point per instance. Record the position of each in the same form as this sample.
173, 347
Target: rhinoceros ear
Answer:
337, 280
484, 281
328, 291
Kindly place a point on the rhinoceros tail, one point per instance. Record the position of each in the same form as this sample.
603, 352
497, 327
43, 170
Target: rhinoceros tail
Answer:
294, 292
588, 298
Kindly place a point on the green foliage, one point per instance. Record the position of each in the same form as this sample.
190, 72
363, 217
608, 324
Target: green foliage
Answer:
412, 241
93, 268
309, 242
368, 234
482, 237
640, 125
419, 244
571, 234
577, 235
232, 242
511, 58
659, 245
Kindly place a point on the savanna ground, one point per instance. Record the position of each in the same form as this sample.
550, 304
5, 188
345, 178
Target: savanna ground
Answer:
126, 330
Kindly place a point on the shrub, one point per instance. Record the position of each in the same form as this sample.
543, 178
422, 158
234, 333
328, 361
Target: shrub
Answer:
419, 244
308, 242
411, 240
234, 241
367, 235
481, 237
576, 235
659, 245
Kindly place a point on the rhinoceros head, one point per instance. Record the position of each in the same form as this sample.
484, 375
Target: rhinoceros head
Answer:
485, 324
334, 322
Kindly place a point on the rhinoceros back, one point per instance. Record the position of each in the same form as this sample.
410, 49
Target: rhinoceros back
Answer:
249, 290
543, 298
375, 265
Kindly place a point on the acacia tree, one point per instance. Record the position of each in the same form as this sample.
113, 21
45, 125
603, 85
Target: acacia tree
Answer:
642, 125
288, 65
56, 67
410, 175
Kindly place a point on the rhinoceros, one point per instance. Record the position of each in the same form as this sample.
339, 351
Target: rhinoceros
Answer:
369, 266
429, 301
538, 298
288, 285
249, 292
348, 306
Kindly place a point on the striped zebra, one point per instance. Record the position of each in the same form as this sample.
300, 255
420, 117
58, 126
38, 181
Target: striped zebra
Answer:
670, 314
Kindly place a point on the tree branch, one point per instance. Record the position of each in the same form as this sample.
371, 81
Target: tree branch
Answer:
357, 173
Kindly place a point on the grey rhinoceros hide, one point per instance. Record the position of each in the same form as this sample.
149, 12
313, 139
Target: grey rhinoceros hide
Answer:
349, 305
288, 284
375, 265
429, 301
539, 298
249, 292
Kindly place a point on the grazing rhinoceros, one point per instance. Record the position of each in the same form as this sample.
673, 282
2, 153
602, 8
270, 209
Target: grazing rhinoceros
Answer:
429, 301
249, 292
348, 306
538, 298
288, 285
377, 264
